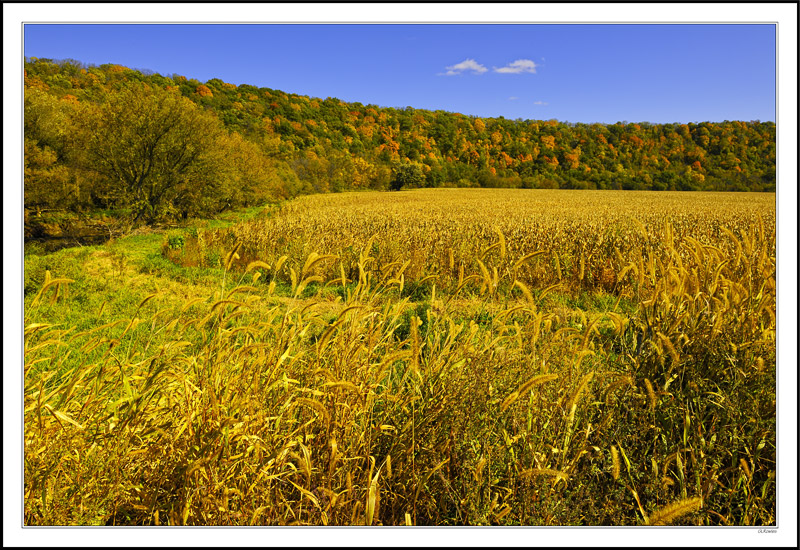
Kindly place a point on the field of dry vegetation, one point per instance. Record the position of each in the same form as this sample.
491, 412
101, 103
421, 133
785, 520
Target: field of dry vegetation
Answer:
426, 357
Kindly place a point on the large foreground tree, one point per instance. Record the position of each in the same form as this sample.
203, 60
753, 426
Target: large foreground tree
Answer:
155, 147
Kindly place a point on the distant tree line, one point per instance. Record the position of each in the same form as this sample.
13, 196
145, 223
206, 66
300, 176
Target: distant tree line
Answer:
164, 147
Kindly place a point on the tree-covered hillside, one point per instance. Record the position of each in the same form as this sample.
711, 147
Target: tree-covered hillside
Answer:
171, 146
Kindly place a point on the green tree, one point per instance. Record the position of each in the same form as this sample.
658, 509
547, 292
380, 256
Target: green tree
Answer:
152, 144
245, 175
46, 181
409, 174
52, 149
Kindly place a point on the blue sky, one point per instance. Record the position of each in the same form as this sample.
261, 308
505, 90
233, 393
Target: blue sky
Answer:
577, 73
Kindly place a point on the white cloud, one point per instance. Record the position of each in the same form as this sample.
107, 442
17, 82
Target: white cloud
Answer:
512, 98
540, 103
466, 65
518, 66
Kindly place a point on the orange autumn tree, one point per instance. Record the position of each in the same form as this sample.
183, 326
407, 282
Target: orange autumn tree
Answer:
204, 91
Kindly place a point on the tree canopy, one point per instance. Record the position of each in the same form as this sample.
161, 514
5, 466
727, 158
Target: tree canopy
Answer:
171, 145
155, 146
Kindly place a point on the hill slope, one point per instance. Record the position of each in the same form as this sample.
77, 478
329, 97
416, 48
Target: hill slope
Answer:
258, 144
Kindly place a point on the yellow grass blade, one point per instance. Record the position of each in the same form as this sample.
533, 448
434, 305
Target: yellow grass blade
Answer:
256, 265
526, 258
373, 499
536, 380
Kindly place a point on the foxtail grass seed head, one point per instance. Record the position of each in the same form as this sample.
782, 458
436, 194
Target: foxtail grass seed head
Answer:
430, 357
614, 463
674, 511
650, 393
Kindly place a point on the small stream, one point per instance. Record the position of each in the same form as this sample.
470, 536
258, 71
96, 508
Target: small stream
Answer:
55, 236
53, 244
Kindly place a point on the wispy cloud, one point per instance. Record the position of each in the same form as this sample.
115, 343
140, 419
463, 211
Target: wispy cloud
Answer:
466, 65
513, 98
518, 66
540, 103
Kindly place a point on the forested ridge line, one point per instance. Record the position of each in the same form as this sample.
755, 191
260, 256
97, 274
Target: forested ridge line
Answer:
163, 147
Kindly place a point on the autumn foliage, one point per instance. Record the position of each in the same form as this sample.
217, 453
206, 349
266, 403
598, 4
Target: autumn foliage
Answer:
298, 144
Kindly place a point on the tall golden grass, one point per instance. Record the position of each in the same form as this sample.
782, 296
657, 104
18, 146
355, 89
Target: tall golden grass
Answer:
512, 387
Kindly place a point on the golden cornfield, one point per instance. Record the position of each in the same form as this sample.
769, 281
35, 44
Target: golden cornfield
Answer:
431, 357
581, 240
